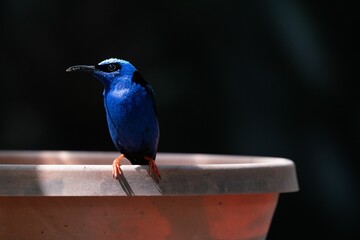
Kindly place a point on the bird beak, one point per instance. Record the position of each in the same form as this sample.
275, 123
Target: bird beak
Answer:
83, 68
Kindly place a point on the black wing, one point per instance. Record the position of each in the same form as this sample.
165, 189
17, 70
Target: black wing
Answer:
138, 78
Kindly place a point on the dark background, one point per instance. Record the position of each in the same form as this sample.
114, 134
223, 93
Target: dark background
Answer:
272, 78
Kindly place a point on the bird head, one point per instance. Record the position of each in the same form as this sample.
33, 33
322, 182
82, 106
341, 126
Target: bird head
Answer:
107, 71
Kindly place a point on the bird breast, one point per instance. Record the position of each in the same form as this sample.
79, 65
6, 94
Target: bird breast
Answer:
124, 104
121, 93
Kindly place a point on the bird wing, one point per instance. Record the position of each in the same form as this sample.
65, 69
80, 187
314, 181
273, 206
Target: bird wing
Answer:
138, 78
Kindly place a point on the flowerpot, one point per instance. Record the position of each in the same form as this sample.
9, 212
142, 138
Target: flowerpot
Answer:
72, 195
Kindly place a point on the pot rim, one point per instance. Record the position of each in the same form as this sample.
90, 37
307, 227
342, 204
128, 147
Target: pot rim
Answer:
80, 173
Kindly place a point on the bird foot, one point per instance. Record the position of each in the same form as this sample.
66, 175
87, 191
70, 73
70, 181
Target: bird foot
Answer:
153, 170
116, 170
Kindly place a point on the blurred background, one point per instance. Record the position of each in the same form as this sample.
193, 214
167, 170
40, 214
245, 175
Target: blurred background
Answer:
271, 78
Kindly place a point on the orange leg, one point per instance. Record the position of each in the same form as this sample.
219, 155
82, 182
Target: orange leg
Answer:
153, 170
116, 171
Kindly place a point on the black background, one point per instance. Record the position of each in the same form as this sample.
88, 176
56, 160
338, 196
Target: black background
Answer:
272, 78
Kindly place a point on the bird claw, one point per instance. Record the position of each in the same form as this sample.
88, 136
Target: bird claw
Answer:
116, 170
153, 170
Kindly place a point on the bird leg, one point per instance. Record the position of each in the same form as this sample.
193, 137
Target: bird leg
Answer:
116, 171
153, 170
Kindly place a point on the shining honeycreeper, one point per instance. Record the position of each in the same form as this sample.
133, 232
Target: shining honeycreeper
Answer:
130, 112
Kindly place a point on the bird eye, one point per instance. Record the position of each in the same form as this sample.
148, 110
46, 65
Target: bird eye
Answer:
111, 67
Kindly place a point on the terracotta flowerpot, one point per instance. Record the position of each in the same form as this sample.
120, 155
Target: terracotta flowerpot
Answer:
72, 195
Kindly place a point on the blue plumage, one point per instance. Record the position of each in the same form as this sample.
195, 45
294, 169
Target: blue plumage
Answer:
130, 111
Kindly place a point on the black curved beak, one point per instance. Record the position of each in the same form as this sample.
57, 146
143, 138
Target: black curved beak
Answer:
83, 68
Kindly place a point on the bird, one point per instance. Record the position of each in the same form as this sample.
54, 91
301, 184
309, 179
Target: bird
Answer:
130, 112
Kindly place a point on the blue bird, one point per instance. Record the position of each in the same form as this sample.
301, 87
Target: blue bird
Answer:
130, 112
